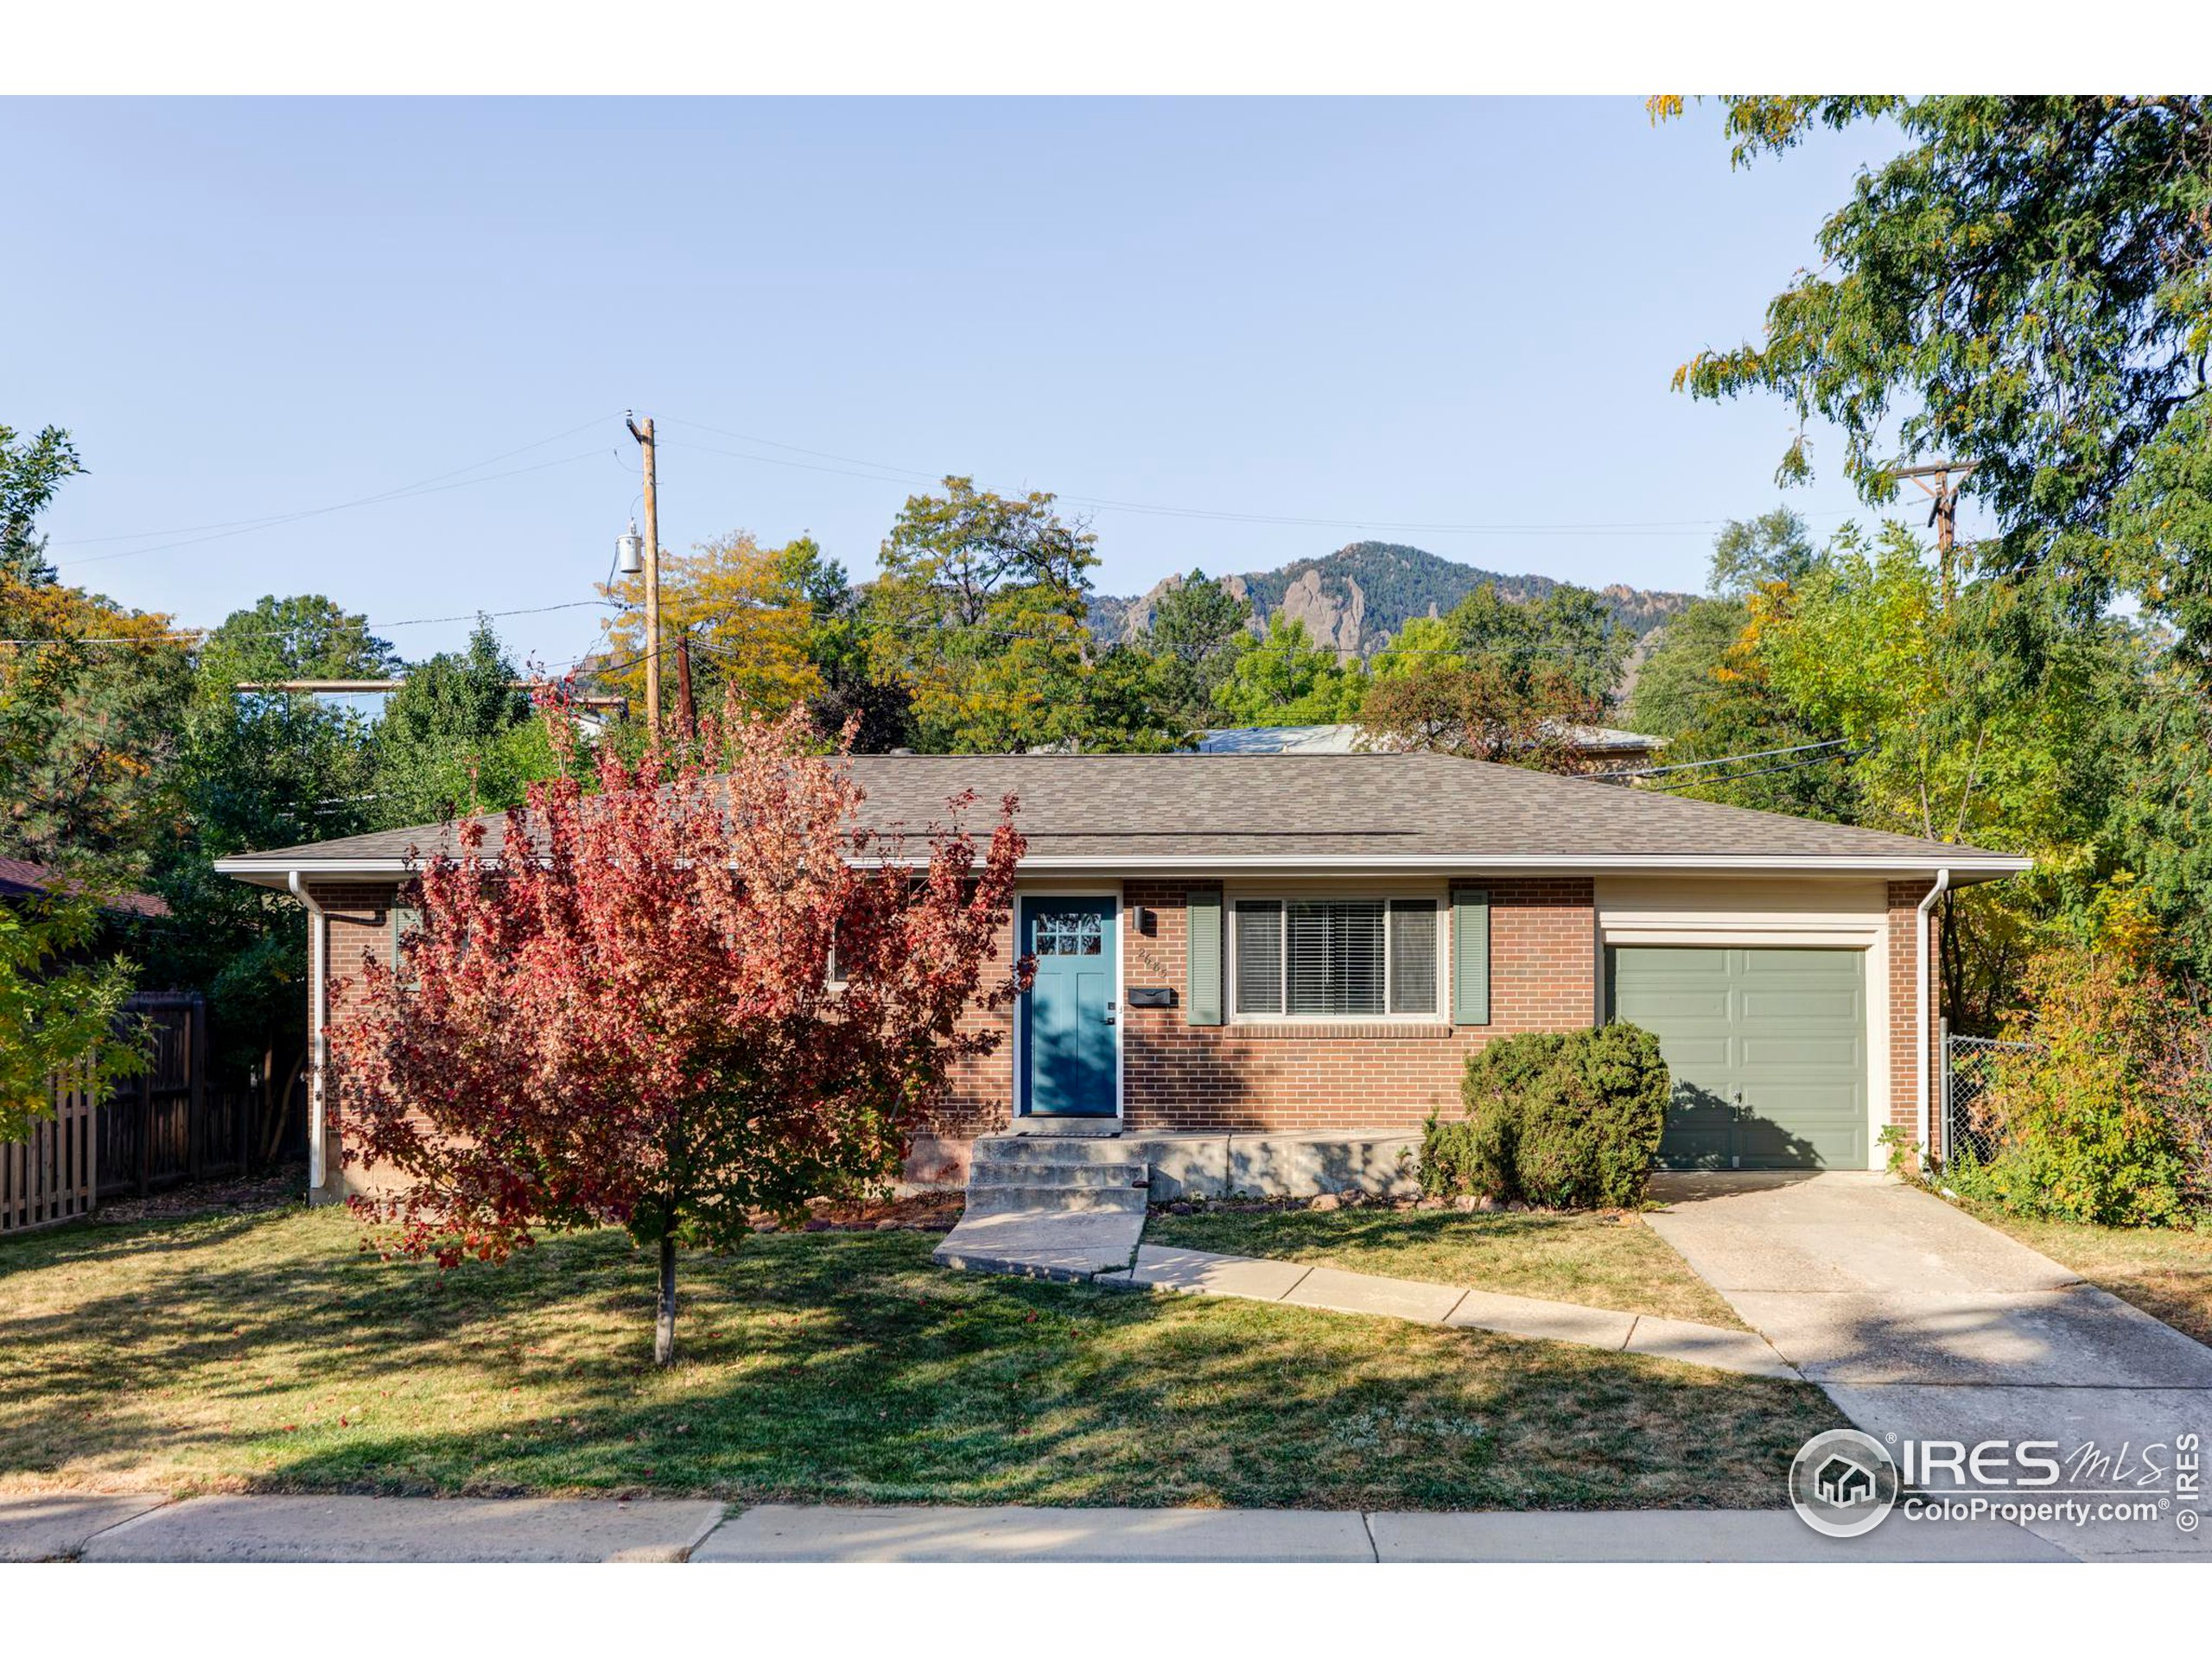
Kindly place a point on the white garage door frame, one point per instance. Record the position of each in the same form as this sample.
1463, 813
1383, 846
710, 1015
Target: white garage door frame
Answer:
1750, 911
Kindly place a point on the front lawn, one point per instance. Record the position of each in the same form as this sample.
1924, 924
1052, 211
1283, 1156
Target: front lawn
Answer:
267, 1351
1601, 1259
2165, 1271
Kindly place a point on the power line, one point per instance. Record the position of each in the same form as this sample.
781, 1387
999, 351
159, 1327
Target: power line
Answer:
1762, 772
888, 473
434, 484
179, 636
408, 495
820, 455
232, 523
1724, 759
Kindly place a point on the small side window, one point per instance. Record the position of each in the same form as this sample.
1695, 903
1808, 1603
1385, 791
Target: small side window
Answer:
406, 922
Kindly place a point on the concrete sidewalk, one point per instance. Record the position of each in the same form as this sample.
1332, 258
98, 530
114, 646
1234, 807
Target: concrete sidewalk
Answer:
150, 1528
790, 1533
146, 1528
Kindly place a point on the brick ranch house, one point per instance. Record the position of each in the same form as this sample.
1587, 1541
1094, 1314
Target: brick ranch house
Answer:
1295, 946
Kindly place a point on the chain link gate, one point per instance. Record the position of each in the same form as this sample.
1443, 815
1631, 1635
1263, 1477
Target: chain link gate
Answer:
1969, 1067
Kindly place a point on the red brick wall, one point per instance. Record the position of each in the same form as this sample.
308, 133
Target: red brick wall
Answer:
1381, 1075
977, 1103
1543, 968
359, 915
1904, 1022
977, 1100
360, 923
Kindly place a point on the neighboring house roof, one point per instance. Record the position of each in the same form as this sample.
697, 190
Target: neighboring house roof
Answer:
20, 876
1201, 813
1347, 739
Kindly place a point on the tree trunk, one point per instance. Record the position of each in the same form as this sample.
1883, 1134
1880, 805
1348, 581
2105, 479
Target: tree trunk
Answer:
665, 1306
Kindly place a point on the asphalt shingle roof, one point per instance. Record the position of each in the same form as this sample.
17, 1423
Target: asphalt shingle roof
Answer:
20, 877
1149, 811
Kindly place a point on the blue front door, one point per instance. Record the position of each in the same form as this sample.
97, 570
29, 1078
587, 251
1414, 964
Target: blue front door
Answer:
1067, 1018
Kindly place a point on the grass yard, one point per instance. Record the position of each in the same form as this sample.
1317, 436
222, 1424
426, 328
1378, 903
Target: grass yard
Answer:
268, 1352
2165, 1271
1599, 1260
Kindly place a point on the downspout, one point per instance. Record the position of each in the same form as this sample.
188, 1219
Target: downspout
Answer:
1920, 1020
318, 963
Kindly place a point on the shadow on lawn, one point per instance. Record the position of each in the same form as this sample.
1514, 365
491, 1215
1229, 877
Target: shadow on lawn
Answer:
847, 1367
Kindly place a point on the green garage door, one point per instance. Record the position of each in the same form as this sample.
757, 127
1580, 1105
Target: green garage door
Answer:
1768, 1048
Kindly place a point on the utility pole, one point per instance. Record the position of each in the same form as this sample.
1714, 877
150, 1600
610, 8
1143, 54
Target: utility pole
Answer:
687, 711
644, 434
1944, 515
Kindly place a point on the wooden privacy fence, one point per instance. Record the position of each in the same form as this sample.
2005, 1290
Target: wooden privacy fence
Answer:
165, 1126
50, 1178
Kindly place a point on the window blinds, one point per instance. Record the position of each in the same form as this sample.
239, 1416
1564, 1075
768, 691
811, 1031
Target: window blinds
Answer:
1336, 957
1259, 957
1413, 955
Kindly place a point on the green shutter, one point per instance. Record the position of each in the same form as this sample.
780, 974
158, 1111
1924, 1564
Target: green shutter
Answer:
1202, 982
1470, 958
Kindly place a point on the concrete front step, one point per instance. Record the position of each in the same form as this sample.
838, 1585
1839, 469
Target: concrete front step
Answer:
992, 1200
1070, 1245
1061, 1151
1030, 1173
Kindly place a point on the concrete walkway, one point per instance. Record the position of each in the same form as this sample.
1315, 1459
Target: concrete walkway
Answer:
1070, 1246
541, 1530
1922, 1323
1104, 1249
1295, 1284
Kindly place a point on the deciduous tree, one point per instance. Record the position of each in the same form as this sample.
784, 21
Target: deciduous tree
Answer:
1285, 679
90, 696
251, 771
1481, 711
981, 614
627, 1017
749, 612
1567, 632
58, 1007
2026, 285
457, 738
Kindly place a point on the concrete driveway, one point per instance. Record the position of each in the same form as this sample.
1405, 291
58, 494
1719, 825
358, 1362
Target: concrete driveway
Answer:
1922, 1324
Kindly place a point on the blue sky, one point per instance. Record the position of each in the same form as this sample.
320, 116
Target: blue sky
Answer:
1358, 313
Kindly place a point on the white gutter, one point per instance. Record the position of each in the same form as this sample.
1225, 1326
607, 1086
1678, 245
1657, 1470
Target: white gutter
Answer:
318, 966
1925, 924
1203, 864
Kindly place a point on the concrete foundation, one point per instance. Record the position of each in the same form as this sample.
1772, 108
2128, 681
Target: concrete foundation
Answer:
1381, 1163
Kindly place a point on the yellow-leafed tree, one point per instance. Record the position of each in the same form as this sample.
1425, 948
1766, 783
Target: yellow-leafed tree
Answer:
748, 611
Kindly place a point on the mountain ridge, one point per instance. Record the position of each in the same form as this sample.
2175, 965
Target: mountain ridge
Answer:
1358, 598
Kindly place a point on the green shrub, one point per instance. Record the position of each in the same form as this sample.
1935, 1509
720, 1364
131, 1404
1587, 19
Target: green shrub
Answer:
1565, 1120
2103, 1120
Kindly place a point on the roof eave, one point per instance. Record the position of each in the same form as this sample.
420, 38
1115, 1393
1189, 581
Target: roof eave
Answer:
1965, 867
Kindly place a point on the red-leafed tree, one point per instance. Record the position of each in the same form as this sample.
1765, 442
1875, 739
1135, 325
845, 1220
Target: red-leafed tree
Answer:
624, 1014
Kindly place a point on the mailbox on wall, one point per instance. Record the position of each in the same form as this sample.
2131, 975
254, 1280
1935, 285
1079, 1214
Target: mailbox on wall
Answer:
1151, 996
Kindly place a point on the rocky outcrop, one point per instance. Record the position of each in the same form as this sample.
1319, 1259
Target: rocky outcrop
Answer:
1334, 619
